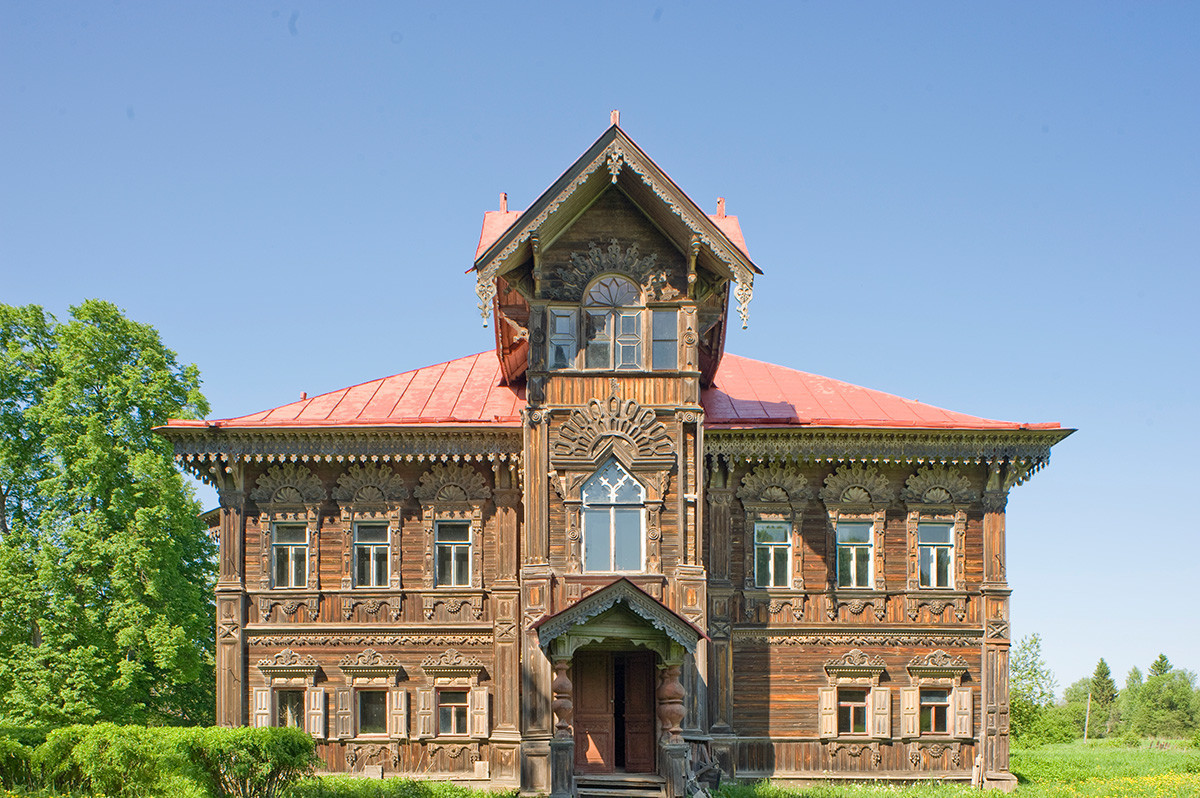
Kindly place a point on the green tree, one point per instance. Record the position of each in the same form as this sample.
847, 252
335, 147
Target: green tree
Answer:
1104, 689
105, 568
1166, 705
1127, 701
1031, 686
1159, 667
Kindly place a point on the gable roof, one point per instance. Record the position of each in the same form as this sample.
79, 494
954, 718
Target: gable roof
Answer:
468, 392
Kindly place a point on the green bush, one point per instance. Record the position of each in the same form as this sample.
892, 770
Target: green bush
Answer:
354, 787
15, 764
1130, 739
29, 736
1194, 742
248, 763
106, 759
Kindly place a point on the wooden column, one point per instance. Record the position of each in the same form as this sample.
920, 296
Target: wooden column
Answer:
994, 725
231, 604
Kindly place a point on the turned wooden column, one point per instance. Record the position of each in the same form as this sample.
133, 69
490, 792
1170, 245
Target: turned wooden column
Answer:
563, 705
670, 703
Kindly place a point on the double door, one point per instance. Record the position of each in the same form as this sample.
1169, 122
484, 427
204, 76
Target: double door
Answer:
614, 711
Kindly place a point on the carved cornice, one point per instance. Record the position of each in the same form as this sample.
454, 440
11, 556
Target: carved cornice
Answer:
287, 664
855, 664
856, 749
370, 484
587, 434
774, 483
452, 483
938, 485
958, 638
1027, 447
856, 485
289, 484
937, 664
441, 636
451, 664
370, 664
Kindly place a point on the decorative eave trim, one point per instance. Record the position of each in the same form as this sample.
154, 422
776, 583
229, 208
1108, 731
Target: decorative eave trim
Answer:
615, 151
638, 601
1027, 448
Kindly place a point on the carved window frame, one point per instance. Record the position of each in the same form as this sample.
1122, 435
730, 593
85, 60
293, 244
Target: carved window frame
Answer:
859, 671
957, 518
643, 542
857, 493
653, 484
289, 494
371, 494
453, 671
288, 671
937, 494
937, 670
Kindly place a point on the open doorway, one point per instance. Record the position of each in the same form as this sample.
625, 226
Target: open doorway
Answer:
614, 711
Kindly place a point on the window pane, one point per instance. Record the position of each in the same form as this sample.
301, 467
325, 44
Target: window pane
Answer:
462, 565
561, 356
299, 569
943, 566
372, 534
925, 564
935, 533
291, 534
445, 565
628, 538
562, 322
665, 326
862, 566
782, 556
381, 566
596, 542
372, 712
282, 567
844, 561
848, 532
453, 533
762, 567
290, 708
362, 565
772, 532
629, 355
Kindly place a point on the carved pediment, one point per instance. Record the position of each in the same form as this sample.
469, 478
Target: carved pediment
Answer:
774, 483
370, 484
288, 484
854, 664
938, 664
451, 664
288, 664
453, 482
574, 278
589, 433
370, 664
938, 485
856, 484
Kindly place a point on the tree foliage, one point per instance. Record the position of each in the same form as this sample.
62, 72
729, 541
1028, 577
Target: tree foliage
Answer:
105, 569
1104, 689
1031, 686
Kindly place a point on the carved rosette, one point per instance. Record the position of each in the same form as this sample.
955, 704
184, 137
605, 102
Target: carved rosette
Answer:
288, 484
774, 484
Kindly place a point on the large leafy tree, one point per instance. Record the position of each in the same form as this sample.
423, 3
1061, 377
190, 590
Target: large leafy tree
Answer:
1166, 704
1031, 685
105, 568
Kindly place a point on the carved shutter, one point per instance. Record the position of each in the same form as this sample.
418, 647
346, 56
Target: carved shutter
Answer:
344, 714
425, 727
964, 703
881, 712
910, 711
477, 713
314, 712
262, 706
398, 714
827, 711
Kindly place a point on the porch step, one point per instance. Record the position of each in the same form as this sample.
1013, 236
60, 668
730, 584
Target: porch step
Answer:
620, 785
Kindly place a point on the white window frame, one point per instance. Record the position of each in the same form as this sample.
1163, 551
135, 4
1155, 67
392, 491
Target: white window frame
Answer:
775, 577
375, 548
612, 524
293, 550
858, 548
934, 548
457, 548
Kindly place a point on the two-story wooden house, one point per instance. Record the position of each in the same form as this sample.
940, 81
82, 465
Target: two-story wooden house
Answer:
608, 552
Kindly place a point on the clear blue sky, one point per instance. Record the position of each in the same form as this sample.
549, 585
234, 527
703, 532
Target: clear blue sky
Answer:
990, 207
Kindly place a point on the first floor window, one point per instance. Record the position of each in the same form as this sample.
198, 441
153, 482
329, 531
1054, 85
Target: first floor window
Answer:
772, 553
612, 521
935, 711
371, 555
935, 554
372, 712
452, 550
852, 711
289, 708
452, 712
854, 553
289, 550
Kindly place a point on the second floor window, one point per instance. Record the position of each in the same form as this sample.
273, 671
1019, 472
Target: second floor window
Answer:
372, 712
371, 555
613, 537
935, 554
289, 553
452, 553
772, 553
854, 553
613, 327
611, 330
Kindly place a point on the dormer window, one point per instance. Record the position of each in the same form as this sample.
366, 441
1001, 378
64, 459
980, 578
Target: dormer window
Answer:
613, 330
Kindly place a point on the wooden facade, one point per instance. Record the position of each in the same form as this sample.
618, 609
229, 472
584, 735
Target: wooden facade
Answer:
607, 547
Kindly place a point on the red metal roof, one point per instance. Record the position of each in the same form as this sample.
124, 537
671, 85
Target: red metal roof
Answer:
746, 394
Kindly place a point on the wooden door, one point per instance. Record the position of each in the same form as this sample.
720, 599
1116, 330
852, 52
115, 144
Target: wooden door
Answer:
639, 712
592, 675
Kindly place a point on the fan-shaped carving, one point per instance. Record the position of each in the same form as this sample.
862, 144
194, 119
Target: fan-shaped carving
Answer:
451, 663
774, 483
452, 483
596, 261
288, 664
589, 429
856, 484
288, 484
370, 484
855, 663
937, 663
938, 485
369, 664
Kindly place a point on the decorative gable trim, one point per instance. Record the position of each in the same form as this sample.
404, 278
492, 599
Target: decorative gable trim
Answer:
370, 484
856, 485
638, 602
774, 484
574, 279
452, 483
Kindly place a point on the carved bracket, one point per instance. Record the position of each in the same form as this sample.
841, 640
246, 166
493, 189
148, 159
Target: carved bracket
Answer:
456, 604
857, 750
290, 605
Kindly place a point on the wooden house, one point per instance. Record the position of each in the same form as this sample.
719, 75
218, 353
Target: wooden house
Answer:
607, 554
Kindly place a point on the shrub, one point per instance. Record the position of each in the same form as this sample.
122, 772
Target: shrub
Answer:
1194, 742
15, 764
106, 759
1130, 739
54, 762
248, 763
29, 736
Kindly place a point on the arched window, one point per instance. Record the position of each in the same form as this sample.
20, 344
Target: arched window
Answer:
613, 325
613, 521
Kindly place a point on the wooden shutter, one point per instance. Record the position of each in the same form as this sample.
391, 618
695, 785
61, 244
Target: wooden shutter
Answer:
425, 727
827, 711
881, 712
398, 714
262, 706
343, 716
964, 703
477, 713
910, 711
314, 712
